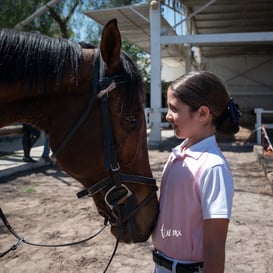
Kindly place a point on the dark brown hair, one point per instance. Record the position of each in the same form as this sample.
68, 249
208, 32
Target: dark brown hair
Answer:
205, 88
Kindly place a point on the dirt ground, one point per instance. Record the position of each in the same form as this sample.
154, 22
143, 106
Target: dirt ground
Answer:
43, 208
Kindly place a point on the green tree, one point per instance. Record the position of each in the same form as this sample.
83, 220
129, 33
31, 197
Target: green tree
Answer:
66, 19
54, 22
13, 11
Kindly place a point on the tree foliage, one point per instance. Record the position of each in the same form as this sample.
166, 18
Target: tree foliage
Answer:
13, 12
66, 19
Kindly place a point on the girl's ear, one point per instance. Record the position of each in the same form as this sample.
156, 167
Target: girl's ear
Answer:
203, 112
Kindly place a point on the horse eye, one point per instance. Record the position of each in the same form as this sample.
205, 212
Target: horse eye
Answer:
131, 121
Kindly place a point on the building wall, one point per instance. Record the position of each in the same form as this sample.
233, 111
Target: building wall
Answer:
248, 78
170, 73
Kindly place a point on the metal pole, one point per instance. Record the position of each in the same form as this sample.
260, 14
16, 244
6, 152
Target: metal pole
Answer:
155, 27
258, 112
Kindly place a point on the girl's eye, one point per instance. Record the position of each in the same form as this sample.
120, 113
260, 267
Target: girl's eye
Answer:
173, 109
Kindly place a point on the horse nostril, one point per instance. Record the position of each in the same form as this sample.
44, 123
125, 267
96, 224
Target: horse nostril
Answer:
102, 213
109, 216
113, 221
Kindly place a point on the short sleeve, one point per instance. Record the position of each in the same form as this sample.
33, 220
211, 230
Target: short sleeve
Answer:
216, 192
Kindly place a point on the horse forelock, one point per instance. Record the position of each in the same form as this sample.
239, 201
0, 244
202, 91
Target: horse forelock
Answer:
35, 59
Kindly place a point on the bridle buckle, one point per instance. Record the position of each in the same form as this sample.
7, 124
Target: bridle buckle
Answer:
116, 167
116, 196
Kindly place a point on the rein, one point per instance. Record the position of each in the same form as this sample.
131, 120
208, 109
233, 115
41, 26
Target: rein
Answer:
119, 199
22, 240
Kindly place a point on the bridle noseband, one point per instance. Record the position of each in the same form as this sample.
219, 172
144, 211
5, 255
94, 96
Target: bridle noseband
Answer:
119, 199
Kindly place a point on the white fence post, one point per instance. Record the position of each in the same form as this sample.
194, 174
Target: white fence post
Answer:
155, 30
148, 117
258, 125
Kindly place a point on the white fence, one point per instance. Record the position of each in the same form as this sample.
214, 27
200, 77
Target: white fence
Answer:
259, 124
148, 112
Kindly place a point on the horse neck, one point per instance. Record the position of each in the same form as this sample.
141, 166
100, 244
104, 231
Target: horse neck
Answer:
23, 109
20, 102
71, 79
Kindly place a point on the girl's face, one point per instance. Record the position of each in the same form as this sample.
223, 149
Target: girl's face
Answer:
183, 120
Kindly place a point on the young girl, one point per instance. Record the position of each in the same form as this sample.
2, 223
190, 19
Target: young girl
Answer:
197, 185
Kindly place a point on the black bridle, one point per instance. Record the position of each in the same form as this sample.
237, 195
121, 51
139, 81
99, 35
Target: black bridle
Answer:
120, 200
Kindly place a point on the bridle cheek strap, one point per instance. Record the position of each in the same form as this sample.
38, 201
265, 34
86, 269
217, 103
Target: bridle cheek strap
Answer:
119, 210
110, 153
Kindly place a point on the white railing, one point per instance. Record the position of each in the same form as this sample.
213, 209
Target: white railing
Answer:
148, 112
259, 125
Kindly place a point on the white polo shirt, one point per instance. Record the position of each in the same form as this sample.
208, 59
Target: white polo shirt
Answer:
196, 184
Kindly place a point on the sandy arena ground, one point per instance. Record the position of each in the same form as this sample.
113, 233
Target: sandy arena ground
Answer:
43, 208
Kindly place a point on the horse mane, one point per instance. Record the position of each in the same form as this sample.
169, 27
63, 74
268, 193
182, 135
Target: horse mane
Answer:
40, 61
36, 59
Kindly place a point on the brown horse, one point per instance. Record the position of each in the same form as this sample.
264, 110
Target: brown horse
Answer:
90, 104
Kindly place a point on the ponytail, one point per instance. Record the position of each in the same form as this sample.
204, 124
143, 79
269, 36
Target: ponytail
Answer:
228, 123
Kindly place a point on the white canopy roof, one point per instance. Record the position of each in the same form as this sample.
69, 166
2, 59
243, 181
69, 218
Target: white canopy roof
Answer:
134, 26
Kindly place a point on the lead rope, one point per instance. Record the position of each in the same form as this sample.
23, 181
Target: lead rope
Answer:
22, 240
110, 158
117, 242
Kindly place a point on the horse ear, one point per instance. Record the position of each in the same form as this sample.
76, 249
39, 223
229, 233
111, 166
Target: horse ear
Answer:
110, 46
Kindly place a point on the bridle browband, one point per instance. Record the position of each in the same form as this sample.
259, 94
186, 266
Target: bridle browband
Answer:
119, 199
